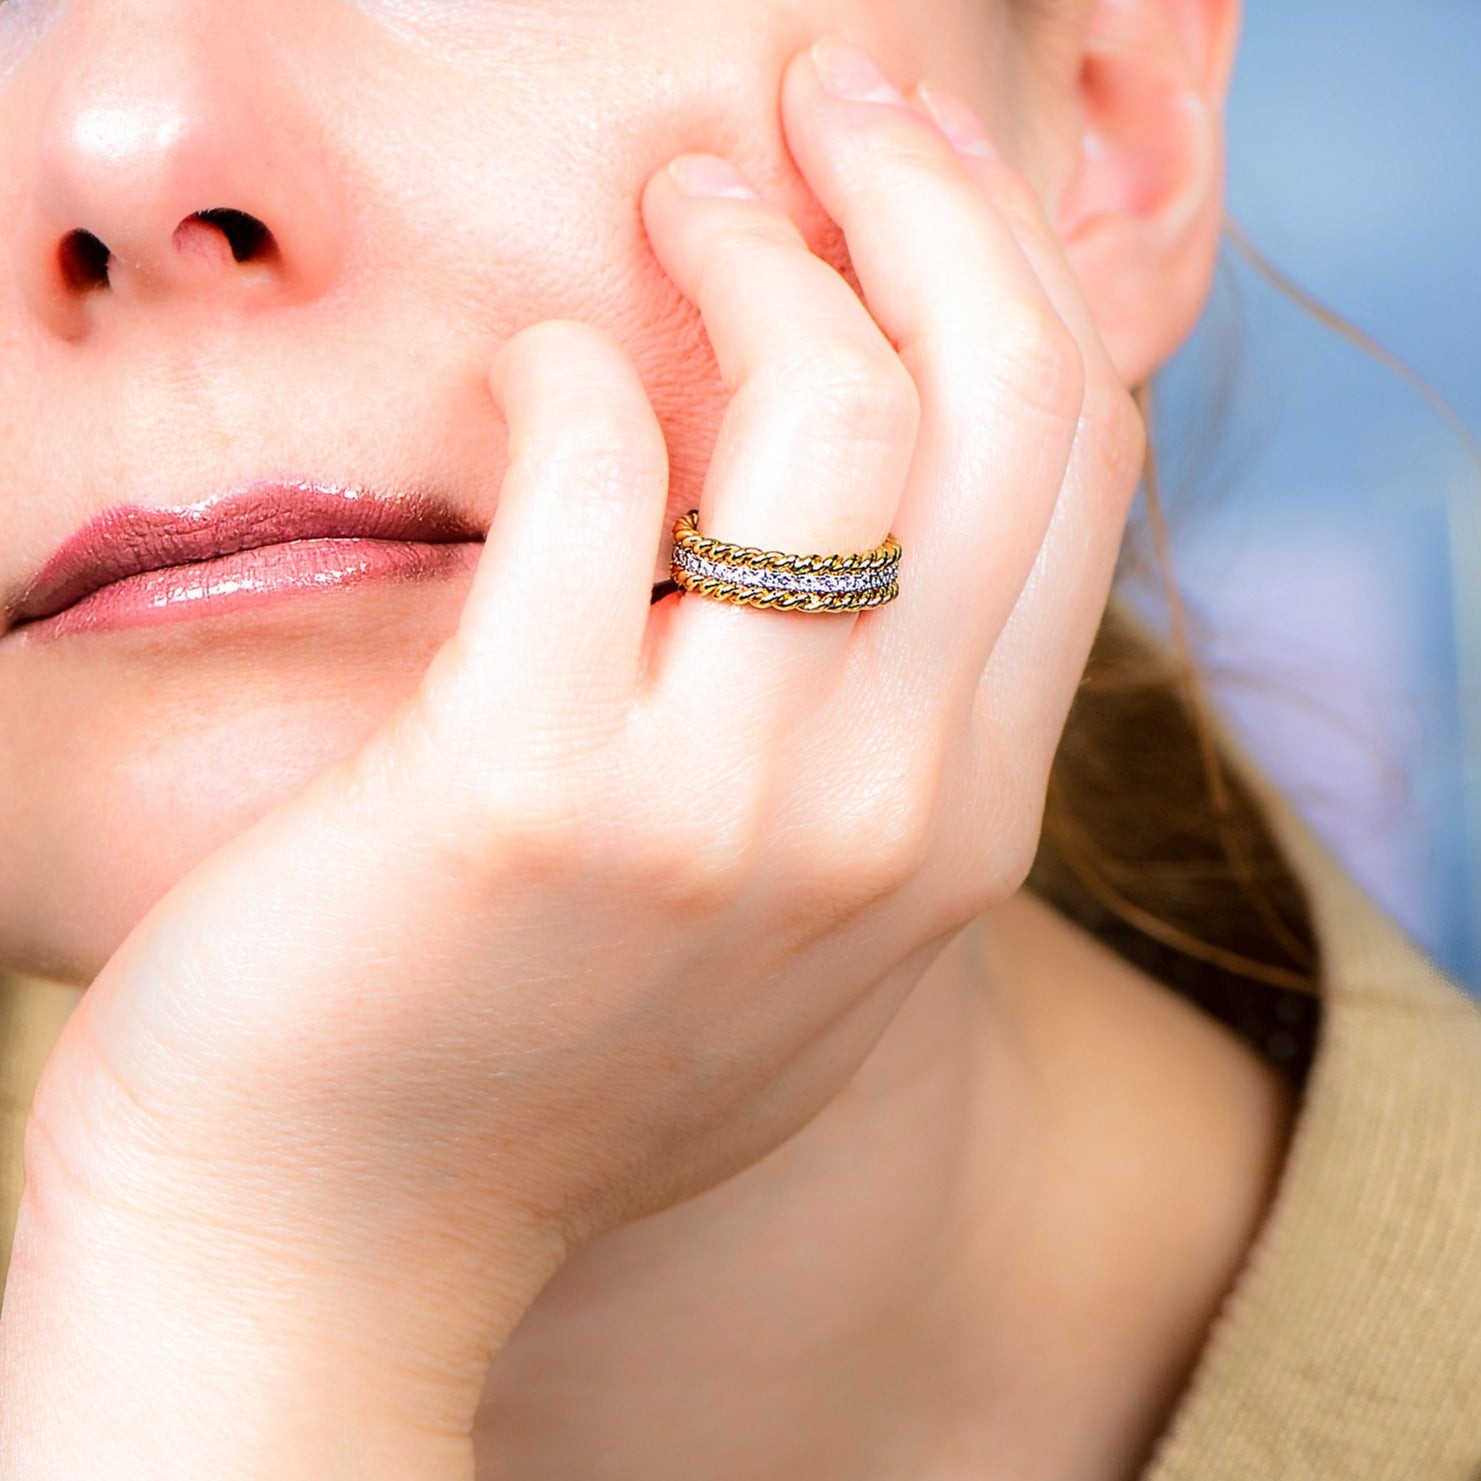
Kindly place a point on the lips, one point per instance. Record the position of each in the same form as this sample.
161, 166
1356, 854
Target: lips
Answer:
131, 539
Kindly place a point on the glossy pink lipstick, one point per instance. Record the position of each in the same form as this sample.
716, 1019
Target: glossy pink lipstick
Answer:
134, 566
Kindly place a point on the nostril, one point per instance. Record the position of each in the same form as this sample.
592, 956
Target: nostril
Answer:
84, 260
245, 234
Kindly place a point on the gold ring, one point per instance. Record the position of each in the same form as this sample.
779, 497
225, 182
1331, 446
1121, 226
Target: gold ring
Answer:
753, 577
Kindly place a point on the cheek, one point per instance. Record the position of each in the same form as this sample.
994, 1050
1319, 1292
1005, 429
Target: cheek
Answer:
665, 334
546, 222
157, 749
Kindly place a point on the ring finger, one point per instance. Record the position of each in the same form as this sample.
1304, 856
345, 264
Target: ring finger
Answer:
816, 442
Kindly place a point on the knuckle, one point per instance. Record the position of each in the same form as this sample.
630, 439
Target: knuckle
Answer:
1013, 812
1016, 849
1121, 433
595, 463
596, 451
523, 823
737, 239
538, 850
1015, 198
900, 147
471, 765
876, 850
696, 835
1039, 358
709, 859
856, 392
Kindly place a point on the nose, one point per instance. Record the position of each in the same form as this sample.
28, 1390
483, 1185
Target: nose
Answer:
169, 164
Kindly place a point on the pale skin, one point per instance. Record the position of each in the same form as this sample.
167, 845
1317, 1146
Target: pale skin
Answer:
714, 1102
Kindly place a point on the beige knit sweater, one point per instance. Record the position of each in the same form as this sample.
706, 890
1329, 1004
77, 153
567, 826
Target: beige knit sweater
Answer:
1350, 1346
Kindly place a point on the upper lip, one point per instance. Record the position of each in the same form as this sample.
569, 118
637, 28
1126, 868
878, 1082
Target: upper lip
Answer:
129, 538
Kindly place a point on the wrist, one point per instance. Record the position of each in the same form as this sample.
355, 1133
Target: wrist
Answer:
118, 1368
138, 1338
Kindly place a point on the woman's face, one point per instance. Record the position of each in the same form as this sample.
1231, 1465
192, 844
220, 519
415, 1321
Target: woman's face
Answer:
434, 174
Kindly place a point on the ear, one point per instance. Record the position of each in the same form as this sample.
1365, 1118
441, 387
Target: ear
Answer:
1141, 215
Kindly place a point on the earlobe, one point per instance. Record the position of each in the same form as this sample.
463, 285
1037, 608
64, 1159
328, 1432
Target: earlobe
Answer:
1141, 213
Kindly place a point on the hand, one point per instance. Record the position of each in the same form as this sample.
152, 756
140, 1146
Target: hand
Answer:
625, 893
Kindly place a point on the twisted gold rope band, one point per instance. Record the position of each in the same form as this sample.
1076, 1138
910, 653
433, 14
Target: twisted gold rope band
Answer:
752, 577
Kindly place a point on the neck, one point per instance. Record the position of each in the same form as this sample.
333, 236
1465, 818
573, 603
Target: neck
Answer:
1026, 1205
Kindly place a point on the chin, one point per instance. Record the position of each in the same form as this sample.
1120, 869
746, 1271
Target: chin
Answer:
151, 748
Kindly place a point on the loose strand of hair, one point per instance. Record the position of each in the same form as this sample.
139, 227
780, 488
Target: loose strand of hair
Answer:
1195, 690
1355, 335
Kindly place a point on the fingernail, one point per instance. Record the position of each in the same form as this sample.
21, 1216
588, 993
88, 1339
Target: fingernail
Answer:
850, 73
958, 121
709, 175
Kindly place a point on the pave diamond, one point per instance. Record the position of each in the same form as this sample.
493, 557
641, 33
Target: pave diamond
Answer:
866, 579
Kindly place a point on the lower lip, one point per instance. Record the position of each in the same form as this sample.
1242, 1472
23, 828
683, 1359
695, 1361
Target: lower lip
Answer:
248, 579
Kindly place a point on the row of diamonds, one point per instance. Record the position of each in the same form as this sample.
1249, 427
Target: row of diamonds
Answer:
824, 581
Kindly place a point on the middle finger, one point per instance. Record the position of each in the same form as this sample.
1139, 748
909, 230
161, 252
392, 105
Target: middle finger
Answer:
1002, 375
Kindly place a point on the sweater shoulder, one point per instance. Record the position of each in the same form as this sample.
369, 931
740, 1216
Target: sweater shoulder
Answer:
1350, 1343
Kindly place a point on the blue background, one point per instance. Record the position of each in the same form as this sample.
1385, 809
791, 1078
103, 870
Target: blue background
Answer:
1327, 520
